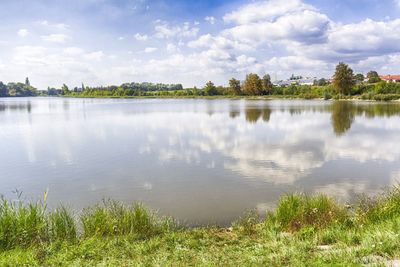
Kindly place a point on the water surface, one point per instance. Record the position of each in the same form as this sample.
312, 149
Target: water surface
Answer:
201, 161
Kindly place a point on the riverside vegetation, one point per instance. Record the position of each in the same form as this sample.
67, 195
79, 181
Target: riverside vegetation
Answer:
344, 85
302, 230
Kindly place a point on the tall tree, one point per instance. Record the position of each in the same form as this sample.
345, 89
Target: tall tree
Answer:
3, 90
359, 77
252, 85
210, 89
64, 89
343, 80
234, 86
373, 77
27, 83
267, 84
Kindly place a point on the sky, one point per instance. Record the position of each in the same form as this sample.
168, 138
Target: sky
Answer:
106, 42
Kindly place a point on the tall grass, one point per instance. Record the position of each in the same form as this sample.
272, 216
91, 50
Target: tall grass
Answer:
298, 210
114, 218
24, 225
383, 207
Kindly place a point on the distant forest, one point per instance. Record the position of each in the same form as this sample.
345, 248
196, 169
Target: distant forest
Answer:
344, 84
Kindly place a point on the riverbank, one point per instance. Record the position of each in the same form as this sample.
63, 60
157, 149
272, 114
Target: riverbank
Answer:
303, 230
377, 97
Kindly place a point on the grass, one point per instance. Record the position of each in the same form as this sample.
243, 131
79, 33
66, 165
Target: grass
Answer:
303, 230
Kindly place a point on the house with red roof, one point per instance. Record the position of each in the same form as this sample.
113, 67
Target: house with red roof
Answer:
390, 78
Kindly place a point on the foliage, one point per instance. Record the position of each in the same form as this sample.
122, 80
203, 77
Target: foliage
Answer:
298, 210
303, 230
113, 218
234, 87
359, 77
343, 79
267, 85
210, 89
344, 86
373, 77
252, 85
3, 90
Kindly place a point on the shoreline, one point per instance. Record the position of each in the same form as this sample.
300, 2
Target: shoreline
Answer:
302, 229
265, 98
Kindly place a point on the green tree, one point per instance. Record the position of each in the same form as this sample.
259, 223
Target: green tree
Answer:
3, 90
321, 82
27, 83
373, 77
267, 85
210, 89
252, 85
65, 89
343, 81
359, 77
234, 86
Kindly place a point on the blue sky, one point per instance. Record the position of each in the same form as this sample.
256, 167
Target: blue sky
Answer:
100, 42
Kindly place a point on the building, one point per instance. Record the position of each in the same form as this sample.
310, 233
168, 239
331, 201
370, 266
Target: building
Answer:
390, 78
296, 80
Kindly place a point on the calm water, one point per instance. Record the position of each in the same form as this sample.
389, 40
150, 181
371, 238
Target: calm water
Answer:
201, 161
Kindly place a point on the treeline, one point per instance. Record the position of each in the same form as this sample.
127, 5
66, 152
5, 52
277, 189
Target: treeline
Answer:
345, 84
124, 90
17, 89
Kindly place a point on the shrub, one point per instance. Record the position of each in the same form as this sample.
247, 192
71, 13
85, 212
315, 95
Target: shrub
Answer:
298, 210
114, 218
247, 224
22, 225
382, 207
62, 225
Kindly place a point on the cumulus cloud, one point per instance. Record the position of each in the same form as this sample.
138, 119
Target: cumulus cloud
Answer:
150, 49
273, 36
58, 26
165, 31
265, 10
55, 38
23, 32
140, 37
210, 20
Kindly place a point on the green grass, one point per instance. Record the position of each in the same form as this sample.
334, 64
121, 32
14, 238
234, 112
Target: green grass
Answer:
302, 230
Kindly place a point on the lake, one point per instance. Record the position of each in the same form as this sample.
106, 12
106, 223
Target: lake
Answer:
201, 161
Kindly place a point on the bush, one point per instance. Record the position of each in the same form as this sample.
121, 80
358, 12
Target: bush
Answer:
382, 207
113, 218
297, 211
386, 97
22, 225
248, 223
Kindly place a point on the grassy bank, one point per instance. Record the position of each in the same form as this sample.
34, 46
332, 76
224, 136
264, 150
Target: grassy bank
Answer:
302, 230
369, 97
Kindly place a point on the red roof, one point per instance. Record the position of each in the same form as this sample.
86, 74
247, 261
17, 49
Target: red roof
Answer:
390, 77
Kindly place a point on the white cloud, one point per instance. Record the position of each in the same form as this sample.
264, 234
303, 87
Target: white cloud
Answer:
23, 32
96, 56
164, 30
150, 49
210, 20
171, 48
55, 38
140, 37
265, 10
305, 26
